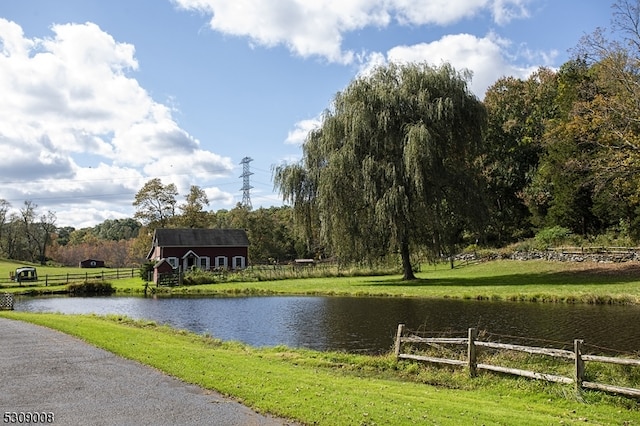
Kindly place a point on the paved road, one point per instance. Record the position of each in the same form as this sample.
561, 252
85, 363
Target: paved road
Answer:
46, 371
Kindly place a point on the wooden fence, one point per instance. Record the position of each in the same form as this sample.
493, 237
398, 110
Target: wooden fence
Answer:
61, 279
473, 343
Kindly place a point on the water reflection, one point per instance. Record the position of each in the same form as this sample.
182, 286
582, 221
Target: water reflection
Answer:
361, 324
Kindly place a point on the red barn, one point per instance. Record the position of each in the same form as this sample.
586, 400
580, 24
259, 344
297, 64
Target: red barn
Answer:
201, 248
92, 263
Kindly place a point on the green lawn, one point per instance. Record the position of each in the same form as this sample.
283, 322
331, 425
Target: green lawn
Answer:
342, 389
7, 267
509, 280
497, 280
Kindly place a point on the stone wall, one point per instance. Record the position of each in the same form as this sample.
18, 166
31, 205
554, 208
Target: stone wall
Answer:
574, 255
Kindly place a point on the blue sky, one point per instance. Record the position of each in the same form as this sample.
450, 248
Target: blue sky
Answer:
102, 96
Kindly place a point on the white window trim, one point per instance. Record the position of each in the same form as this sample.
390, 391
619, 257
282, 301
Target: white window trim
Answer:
221, 261
242, 262
173, 261
205, 263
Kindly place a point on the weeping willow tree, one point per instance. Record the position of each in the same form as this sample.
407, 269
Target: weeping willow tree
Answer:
391, 168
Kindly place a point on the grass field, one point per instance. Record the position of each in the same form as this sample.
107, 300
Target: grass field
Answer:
342, 389
346, 389
509, 280
540, 281
56, 274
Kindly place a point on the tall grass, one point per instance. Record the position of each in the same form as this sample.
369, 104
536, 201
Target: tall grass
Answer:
285, 272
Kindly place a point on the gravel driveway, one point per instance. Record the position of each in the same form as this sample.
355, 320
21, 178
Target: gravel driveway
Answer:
45, 371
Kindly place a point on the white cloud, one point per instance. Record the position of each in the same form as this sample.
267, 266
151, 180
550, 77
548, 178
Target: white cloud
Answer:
440, 12
504, 11
78, 129
486, 57
218, 196
317, 28
302, 128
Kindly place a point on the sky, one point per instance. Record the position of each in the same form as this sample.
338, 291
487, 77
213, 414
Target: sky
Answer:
98, 97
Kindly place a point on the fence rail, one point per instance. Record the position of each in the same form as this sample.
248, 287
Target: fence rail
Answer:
68, 278
472, 364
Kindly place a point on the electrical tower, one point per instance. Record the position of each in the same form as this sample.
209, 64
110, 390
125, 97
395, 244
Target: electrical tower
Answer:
246, 186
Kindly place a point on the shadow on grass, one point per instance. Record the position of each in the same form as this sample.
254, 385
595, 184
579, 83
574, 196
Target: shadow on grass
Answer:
595, 275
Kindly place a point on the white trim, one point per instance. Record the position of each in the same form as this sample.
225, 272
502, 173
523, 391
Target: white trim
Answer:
205, 263
173, 261
235, 262
185, 260
184, 256
221, 261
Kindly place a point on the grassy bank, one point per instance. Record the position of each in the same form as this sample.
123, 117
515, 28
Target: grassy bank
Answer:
496, 280
509, 280
341, 389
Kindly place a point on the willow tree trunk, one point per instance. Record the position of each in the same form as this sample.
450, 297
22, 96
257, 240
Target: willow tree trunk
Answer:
407, 269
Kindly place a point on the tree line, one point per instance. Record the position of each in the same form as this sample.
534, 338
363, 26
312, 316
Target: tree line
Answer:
27, 235
407, 162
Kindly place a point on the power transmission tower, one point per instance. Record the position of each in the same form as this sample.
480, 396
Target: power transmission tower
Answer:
246, 187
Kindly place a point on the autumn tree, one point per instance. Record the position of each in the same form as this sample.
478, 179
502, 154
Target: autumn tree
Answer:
392, 164
561, 192
155, 203
604, 126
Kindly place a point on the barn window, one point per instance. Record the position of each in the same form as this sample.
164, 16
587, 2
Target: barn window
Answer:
221, 261
238, 262
205, 263
173, 261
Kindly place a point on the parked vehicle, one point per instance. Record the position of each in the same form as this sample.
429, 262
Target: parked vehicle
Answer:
25, 273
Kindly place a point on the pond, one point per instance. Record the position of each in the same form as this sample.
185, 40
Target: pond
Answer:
364, 325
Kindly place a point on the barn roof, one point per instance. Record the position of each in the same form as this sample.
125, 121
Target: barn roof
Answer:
194, 237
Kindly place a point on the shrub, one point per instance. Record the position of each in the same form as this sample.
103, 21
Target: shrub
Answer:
552, 236
196, 276
91, 288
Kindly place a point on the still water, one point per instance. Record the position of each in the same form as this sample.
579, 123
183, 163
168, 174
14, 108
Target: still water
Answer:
366, 325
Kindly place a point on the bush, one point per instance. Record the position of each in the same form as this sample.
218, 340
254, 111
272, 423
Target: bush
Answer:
196, 276
91, 288
552, 236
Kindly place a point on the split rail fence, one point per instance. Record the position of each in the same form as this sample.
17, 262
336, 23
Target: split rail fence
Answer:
60, 279
473, 343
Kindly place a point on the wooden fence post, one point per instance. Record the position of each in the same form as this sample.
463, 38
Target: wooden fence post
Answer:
579, 363
398, 339
471, 352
